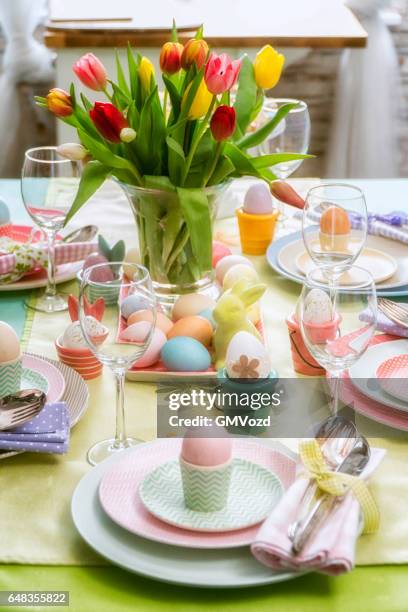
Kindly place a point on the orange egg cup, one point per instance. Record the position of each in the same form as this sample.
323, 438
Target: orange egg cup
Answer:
256, 231
82, 360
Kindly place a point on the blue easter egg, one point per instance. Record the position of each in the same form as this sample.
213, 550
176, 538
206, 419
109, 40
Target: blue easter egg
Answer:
207, 313
4, 213
185, 354
133, 303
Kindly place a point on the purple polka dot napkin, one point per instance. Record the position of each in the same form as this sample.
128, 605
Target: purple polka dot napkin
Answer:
48, 432
384, 324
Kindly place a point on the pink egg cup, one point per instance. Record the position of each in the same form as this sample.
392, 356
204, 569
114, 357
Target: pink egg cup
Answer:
320, 333
82, 360
303, 362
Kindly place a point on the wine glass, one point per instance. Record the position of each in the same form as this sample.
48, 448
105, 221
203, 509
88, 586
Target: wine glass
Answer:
334, 226
106, 341
332, 323
291, 135
49, 183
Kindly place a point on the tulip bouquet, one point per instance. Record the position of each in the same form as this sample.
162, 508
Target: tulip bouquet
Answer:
172, 150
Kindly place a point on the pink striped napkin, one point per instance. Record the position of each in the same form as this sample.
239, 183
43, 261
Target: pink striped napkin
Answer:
331, 550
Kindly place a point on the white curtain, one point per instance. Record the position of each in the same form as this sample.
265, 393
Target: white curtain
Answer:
364, 135
25, 59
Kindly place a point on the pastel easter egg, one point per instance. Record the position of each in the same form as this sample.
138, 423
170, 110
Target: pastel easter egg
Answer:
194, 327
191, 304
247, 357
317, 307
335, 220
206, 451
208, 314
132, 257
184, 354
138, 332
133, 303
226, 263
239, 272
9, 343
219, 250
162, 322
258, 200
4, 213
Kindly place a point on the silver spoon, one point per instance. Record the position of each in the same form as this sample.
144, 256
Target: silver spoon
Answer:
353, 464
83, 234
20, 407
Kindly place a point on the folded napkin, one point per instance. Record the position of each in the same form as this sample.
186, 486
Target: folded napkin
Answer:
48, 432
385, 324
17, 259
331, 550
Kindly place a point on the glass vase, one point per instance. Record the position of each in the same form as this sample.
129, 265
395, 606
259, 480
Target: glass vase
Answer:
175, 230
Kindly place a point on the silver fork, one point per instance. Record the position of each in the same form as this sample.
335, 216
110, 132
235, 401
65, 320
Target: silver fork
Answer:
394, 311
20, 407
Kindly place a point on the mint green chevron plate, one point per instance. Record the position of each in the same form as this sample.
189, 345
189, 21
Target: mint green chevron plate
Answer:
254, 491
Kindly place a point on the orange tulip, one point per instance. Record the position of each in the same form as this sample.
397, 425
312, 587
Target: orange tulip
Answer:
195, 52
170, 57
59, 102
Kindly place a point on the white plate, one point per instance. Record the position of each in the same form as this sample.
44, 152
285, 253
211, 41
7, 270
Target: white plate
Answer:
64, 273
363, 373
230, 568
289, 253
379, 264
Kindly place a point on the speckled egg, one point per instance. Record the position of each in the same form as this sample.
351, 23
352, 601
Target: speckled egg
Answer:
184, 354
73, 337
258, 200
133, 303
9, 343
206, 451
219, 250
228, 262
191, 304
239, 272
137, 332
194, 327
132, 257
247, 357
162, 322
208, 314
317, 307
4, 213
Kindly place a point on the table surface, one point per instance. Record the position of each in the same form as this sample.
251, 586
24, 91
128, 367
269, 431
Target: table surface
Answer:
230, 23
379, 588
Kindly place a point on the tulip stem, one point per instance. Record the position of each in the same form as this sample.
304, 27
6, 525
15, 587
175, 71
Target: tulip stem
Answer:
196, 140
214, 163
107, 94
165, 104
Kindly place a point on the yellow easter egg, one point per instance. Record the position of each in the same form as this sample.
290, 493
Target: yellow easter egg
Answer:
239, 272
191, 304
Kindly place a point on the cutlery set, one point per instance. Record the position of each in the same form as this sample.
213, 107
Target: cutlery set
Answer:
20, 407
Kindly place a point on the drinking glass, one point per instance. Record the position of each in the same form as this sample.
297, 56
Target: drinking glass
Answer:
108, 281
332, 323
334, 226
292, 135
49, 184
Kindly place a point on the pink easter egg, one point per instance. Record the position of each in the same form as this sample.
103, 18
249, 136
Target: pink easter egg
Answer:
219, 250
205, 451
258, 200
137, 332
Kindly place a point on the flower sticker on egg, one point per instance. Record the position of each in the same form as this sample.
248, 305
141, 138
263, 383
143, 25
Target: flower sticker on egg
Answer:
247, 357
245, 368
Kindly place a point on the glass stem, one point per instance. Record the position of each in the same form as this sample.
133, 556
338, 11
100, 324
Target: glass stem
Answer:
120, 433
51, 289
336, 376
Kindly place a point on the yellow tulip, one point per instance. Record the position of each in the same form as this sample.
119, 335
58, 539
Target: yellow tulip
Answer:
146, 73
268, 66
201, 102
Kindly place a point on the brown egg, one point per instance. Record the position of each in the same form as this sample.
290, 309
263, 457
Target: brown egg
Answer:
193, 326
335, 220
162, 322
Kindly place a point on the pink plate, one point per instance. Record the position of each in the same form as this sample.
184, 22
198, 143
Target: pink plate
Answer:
118, 493
55, 379
392, 375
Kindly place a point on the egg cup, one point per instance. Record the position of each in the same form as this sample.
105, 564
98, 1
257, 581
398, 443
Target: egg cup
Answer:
10, 376
82, 360
303, 361
338, 243
256, 231
320, 333
109, 294
206, 488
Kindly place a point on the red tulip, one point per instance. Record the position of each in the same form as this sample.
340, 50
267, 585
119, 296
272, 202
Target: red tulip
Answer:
221, 73
223, 122
286, 194
59, 102
170, 57
108, 120
195, 52
91, 72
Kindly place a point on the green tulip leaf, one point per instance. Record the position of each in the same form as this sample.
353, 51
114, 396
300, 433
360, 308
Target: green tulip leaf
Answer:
246, 98
256, 138
122, 83
93, 177
175, 97
266, 161
174, 145
196, 212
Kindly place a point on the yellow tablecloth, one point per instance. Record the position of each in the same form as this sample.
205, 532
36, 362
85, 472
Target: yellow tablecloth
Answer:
36, 490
